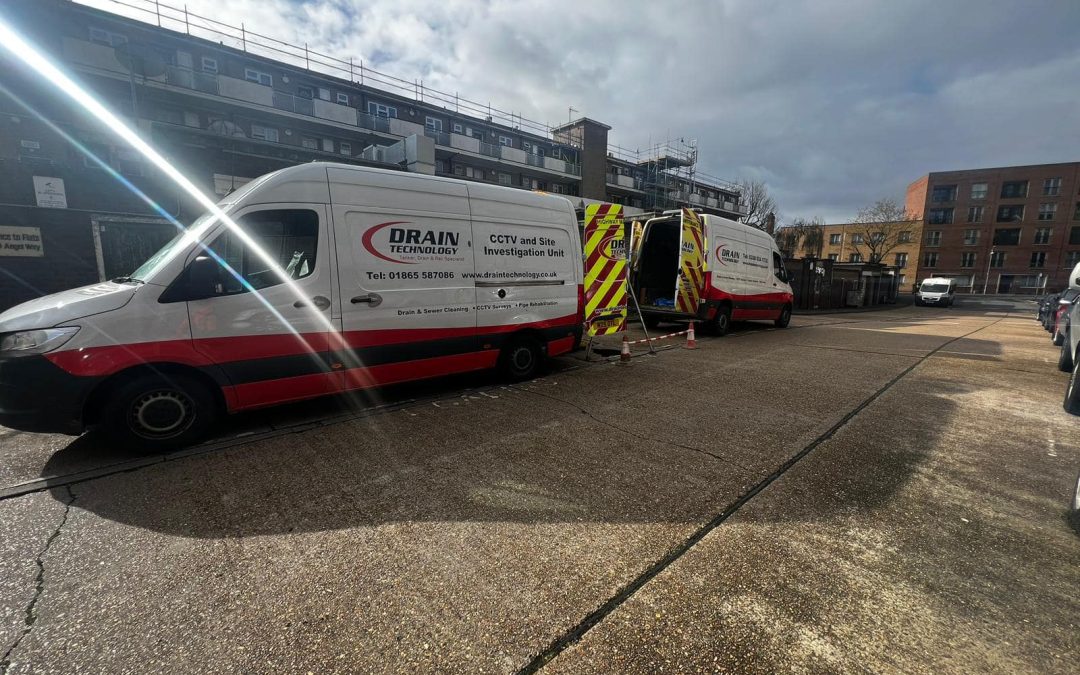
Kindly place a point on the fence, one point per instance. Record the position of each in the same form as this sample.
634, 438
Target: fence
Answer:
824, 284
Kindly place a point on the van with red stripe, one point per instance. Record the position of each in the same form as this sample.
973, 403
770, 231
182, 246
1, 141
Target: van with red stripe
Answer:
743, 276
314, 280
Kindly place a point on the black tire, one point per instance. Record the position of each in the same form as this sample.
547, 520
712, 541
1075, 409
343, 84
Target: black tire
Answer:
1065, 359
785, 317
651, 322
522, 358
1072, 392
157, 412
720, 324
1059, 337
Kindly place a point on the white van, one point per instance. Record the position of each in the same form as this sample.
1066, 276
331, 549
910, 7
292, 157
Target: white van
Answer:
936, 291
337, 278
745, 277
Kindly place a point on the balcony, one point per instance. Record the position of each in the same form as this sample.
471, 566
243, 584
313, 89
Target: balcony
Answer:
191, 79
440, 137
466, 143
373, 122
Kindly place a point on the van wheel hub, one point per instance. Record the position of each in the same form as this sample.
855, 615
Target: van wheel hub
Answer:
161, 414
521, 359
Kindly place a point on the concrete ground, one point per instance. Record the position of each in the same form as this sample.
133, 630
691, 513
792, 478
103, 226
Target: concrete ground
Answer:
882, 492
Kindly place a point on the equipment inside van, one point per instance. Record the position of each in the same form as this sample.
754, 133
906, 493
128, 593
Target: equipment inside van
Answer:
687, 266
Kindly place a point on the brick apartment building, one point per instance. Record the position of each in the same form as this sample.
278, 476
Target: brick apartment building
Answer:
843, 242
1003, 230
225, 105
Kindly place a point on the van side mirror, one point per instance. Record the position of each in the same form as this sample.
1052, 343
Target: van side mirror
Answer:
203, 278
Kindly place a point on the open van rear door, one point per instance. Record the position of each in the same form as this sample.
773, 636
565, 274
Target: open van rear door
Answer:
690, 283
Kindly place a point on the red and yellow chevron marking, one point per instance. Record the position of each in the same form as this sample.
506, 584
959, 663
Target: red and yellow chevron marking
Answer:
605, 269
691, 282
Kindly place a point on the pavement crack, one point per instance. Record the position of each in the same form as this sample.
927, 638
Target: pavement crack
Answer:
628, 432
578, 631
30, 617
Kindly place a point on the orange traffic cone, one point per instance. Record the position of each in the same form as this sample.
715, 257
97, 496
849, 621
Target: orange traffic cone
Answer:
624, 355
691, 342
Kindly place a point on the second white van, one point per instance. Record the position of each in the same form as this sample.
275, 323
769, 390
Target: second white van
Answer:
317, 279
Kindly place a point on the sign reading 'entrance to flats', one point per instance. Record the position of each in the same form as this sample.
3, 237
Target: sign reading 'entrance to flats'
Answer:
24, 242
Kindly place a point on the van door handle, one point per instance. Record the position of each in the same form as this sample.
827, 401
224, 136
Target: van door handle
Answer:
319, 301
372, 299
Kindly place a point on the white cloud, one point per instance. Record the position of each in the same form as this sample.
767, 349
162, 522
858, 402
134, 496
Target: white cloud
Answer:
834, 103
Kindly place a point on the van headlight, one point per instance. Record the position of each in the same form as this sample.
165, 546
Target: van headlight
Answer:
35, 341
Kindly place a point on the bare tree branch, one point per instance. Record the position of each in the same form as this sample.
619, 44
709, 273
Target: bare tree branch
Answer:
759, 203
882, 225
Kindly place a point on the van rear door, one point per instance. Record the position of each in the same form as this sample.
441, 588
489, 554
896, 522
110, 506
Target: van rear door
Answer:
690, 279
405, 268
270, 335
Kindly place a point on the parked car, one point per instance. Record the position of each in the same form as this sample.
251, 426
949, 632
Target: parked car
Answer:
1059, 325
1070, 345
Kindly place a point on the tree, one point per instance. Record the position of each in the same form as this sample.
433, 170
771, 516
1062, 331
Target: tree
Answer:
788, 238
754, 194
881, 225
813, 235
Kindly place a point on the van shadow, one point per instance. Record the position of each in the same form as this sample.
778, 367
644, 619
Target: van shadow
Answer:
501, 455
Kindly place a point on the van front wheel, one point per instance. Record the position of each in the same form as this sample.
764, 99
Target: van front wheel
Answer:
521, 359
784, 319
159, 412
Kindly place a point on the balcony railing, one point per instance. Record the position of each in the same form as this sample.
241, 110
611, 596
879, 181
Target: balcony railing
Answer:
373, 122
295, 104
440, 137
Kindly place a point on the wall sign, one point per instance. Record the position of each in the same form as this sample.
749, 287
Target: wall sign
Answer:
50, 192
21, 242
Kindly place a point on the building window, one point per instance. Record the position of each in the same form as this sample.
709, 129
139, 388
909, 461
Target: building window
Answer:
380, 110
107, 37
440, 166
1074, 235
1047, 211
1052, 187
345, 148
933, 238
979, 190
939, 216
904, 237
856, 238
930, 259
967, 259
975, 214
503, 178
507, 141
252, 75
1076, 212
971, 237
328, 145
324, 93
305, 92
1042, 235
343, 98
1013, 189
1007, 237
456, 128
834, 257
997, 259
558, 189
209, 65
264, 133
901, 259
836, 239
1008, 214
1071, 259
943, 193
855, 257
309, 143
1038, 259
433, 123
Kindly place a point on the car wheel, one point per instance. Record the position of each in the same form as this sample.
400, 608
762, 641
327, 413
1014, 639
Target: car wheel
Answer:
720, 324
785, 317
1072, 392
1059, 337
1065, 359
159, 412
521, 359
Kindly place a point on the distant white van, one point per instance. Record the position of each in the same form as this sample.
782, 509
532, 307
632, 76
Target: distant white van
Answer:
329, 278
936, 291
745, 278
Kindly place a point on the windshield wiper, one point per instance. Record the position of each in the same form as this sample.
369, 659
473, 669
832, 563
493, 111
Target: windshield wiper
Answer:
127, 280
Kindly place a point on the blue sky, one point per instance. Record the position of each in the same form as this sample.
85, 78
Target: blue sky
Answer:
833, 103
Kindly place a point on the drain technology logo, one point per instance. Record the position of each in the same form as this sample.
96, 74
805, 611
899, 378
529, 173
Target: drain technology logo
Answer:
411, 245
724, 255
613, 247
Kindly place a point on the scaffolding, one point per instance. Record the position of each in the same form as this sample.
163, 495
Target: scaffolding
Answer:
668, 175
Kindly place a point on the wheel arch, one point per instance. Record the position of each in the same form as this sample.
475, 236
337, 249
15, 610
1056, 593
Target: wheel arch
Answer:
98, 396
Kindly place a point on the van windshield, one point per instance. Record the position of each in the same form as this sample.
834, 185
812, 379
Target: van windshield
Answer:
935, 288
177, 244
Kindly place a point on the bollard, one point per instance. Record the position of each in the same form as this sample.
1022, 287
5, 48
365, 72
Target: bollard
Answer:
691, 343
624, 355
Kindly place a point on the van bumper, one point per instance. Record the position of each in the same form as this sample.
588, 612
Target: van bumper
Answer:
38, 396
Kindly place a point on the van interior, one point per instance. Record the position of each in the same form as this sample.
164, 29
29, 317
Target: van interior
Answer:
656, 265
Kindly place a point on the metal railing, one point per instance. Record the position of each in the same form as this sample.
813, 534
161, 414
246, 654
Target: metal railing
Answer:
182, 20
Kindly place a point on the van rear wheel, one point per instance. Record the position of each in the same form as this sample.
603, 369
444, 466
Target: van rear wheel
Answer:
784, 319
720, 324
152, 413
521, 359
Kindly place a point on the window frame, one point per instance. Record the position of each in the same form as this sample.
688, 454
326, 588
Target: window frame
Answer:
1044, 233
999, 231
1005, 185
374, 108
259, 74
203, 60
982, 194
1052, 186
265, 136
972, 240
933, 237
1038, 257
930, 259
339, 96
433, 124
968, 259
1047, 211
